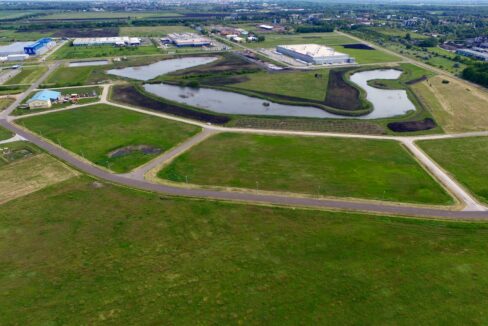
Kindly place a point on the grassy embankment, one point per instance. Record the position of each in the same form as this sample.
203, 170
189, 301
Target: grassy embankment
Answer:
464, 158
86, 253
96, 131
370, 169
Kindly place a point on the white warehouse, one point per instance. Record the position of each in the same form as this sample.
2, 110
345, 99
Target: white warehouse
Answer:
315, 54
116, 41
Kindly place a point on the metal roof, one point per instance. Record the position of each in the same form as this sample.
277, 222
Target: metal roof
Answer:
45, 95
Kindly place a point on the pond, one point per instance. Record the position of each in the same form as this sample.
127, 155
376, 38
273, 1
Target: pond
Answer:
386, 102
160, 68
88, 63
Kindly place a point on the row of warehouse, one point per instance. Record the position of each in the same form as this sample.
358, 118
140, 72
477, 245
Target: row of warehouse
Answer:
114, 41
22, 50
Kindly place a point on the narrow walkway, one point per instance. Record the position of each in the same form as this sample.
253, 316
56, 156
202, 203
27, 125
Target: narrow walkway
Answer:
12, 139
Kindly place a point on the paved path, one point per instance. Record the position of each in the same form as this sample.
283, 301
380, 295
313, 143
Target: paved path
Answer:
12, 139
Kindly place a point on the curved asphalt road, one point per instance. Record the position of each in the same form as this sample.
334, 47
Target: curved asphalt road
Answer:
240, 196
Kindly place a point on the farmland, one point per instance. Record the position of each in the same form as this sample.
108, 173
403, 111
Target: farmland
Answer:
465, 159
82, 52
108, 136
370, 169
105, 15
128, 257
153, 31
28, 75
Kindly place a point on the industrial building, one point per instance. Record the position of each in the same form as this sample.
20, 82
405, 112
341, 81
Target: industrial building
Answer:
473, 54
14, 48
314, 54
186, 39
40, 46
114, 41
43, 99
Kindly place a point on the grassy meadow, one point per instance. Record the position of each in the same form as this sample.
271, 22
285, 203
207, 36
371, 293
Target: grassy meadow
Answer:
81, 252
97, 130
82, 52
360, 168
28, 75
465, 158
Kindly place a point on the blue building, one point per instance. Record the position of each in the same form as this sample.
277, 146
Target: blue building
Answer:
43, 99
35, 47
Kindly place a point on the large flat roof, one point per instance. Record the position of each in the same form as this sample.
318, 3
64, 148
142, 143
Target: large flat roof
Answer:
15, 47
312, 50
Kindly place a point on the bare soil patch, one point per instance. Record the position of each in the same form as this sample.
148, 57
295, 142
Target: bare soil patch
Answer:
127, 150
358, 46
407, 126
340, 94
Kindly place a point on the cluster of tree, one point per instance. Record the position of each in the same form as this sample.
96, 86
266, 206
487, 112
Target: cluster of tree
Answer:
428, 42
314, 29
477, 73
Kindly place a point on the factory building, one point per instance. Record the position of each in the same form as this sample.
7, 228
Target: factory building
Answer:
40, 46
473, 54
43, 99
186, 39
314, 54
114, 41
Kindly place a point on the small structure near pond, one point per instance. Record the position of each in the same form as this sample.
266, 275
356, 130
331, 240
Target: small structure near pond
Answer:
43, 99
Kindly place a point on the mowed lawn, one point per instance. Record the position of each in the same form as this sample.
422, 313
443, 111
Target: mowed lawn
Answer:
81, 52
5, 134
370, 169
368, 56
465, 158
310, 85
97, 130
85, 253
70, 76
28, 75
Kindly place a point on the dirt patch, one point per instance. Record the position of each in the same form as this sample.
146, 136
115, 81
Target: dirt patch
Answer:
358, 46
127, 150
408, 126
128, 94
340, 94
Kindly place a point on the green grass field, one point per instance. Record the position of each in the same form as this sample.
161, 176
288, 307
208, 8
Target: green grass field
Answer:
359, 168
298, 84
368, 56
67, 76
14, 14
82, 52
5, 134
5, 102
78, 253
28, 75
465, 158
95, 131
12, 35
153, 31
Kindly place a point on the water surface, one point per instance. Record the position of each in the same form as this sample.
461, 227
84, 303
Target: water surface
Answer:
160, 68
